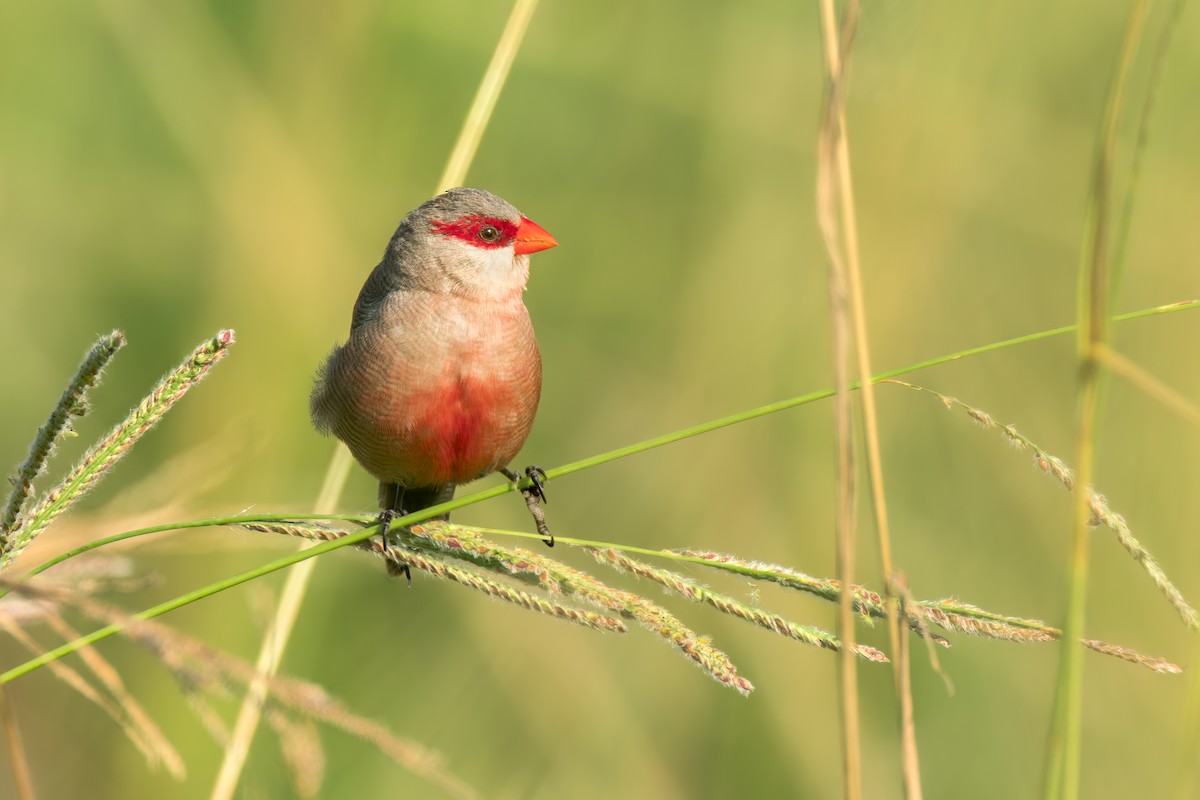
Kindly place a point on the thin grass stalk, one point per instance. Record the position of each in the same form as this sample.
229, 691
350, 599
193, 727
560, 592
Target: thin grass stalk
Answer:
496, 491
670, 438
694, 590
1063, 765
1132, 656
18, 761
275, 639
461, 542
1101, 511
950, 613
1149, 384
208, 669
141, 738
199, 594
158, 747
301, 750
147, 739
1189, 744
903, 672
836, 50
827, 217
804, 399
163, 73
1157, 67
439, 568
73, 403
484, 103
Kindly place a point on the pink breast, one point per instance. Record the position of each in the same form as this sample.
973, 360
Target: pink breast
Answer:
447, 414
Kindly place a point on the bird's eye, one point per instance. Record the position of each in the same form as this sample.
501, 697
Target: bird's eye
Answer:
489, 233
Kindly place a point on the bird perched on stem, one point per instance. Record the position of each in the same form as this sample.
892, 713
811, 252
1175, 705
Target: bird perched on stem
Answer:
439, 380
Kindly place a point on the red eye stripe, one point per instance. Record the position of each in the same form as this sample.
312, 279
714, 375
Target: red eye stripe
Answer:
469, 228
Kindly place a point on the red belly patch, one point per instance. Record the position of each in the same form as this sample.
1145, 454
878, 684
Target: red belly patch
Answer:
460, 431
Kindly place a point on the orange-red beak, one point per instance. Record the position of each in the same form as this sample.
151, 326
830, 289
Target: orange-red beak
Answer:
531, 238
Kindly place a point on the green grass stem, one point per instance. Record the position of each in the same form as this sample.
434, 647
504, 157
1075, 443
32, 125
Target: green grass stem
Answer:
1093, 298
495, 491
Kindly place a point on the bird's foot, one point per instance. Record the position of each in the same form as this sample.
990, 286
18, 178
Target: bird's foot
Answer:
535, 497
394, 569
537, 479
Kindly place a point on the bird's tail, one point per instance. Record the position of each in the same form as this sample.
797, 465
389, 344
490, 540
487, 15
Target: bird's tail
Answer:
322, 400
397, 497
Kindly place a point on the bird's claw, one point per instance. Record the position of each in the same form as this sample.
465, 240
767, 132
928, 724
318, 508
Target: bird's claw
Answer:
537, 479
535, 496
385, 528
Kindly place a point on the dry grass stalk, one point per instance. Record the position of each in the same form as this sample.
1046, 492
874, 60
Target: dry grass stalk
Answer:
693, 590
1149, 383
135, 717
440, 569
910, 610
839, 222
18, 762
89, 576
201, 667
279, 631
438, 539
462, 542
208, 716
151, 743
1133, 657
866, 604
301, 746
1101, 511
457, 541
950, 614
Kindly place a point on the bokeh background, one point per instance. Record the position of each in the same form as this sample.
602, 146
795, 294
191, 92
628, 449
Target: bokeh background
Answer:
171, 169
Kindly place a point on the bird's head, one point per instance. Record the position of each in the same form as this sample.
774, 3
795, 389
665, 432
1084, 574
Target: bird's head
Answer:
467, 241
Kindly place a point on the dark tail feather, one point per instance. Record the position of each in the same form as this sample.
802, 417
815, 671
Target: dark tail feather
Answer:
397, 497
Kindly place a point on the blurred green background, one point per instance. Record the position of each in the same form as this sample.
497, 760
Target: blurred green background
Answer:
171, 169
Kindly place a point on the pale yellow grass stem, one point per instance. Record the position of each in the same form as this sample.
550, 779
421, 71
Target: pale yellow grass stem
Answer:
279, 631
1153, 387
847, 220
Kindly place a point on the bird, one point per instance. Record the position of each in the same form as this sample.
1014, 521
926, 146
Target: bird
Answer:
439, 379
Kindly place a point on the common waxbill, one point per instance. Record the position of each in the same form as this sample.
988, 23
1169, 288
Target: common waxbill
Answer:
439, 380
